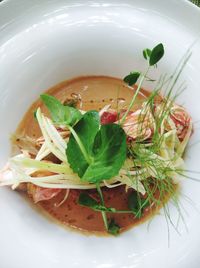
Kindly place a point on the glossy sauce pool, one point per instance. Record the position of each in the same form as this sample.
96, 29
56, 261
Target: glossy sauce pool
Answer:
95, 92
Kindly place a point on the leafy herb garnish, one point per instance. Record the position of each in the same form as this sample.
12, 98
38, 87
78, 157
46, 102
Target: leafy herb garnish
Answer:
61, 114
104, 147
152, 56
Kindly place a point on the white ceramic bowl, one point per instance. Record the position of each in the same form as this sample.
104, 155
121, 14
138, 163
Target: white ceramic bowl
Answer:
45, 42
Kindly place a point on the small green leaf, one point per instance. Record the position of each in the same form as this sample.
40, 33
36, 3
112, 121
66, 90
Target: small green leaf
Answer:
86, 129
109, 154
156, 54
137, 204
132, 78
86, 200
147, 53
60, 113
113, 228
105, 147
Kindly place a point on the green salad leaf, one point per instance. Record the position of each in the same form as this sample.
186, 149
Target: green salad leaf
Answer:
103, 152
61, 114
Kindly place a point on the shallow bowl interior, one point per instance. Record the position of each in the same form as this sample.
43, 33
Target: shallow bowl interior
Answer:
46, 43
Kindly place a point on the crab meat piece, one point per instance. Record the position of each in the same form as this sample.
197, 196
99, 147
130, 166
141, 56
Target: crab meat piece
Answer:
181, 119
41, 194
139, 124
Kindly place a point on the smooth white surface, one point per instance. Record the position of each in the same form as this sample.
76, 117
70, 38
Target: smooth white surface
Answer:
45, 42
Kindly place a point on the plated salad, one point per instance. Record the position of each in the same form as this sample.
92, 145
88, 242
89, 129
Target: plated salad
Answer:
102, 154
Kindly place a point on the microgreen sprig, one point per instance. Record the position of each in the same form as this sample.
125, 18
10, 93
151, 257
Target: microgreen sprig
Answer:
152, 57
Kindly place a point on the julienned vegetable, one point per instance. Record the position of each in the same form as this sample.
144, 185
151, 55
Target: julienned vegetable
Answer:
140, 148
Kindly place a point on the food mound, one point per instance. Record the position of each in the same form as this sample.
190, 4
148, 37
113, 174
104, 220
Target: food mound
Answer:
103, 170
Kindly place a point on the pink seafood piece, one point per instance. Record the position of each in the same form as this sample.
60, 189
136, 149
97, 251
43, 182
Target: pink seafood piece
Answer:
138, 125
109, 117
181, 119
41, 194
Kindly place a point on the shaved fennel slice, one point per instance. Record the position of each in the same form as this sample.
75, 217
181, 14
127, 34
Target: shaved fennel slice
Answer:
109, 185
43, 152
104, 109
37, 165
167, 148
54, 135
133, 183
64, 199
50, 145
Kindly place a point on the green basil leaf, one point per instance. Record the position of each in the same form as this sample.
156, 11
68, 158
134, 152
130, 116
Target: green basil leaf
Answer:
156, 54
61, 114
147, 53
113, 228
131, 78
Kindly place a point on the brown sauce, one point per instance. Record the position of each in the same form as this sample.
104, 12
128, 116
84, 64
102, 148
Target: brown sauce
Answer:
95, 92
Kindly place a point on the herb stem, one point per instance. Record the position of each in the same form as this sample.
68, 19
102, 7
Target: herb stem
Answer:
135, 95
80, 144
103, 213
122, 211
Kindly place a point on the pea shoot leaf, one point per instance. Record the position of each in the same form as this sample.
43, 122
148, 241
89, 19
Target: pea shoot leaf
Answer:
61, 114
109, 154
113, 227
105, 147
86, 129
132, 78
156, 54
87, 201
147, 53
